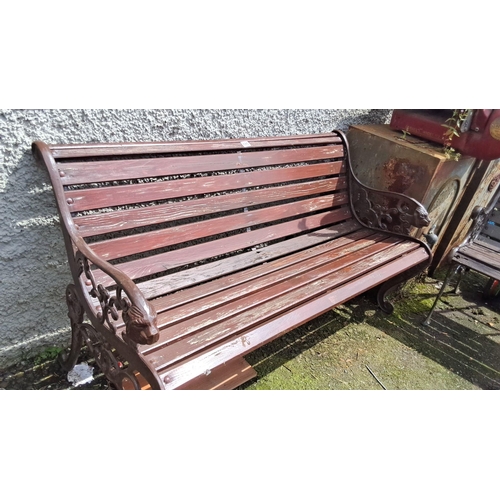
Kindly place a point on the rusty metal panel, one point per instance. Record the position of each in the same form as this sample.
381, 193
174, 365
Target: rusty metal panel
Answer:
386, 159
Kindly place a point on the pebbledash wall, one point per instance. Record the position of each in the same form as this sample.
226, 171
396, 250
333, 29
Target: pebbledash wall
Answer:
33, 263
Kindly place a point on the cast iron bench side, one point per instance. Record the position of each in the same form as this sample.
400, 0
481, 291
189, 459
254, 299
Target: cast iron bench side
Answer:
118, 297
479, 251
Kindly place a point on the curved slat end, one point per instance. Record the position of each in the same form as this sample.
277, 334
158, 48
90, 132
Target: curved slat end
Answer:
40, 150
38, 146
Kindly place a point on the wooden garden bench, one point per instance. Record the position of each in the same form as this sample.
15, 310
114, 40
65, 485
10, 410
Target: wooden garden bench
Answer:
186, 256
479, 251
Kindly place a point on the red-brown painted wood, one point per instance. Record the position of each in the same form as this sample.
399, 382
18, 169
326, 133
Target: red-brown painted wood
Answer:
181, 257
299, 258
122, 220
291, 276
289, 263
144, 242
272, 299
66, 151
223, 378
90, 199
279, 300
117, 170
246, 341
268, 255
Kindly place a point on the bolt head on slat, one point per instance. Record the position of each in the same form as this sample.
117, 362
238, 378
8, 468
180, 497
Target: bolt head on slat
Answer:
62, 174
70, 201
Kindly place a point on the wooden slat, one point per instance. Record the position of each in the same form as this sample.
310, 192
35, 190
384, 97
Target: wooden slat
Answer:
228, 304
244, 275
285, 249
90, 199
247, 340
122, 220
279, 299
478, 266
201, 307
117, 149
487, 243
177, 258
492, 231
481, 255
344, 243
118, 170
144, 242
477, 250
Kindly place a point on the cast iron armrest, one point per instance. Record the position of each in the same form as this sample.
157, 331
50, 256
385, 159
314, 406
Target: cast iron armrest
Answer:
138, 314
479, 217
392, 212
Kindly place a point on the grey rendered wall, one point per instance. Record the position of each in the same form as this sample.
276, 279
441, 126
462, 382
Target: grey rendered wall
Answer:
33, 267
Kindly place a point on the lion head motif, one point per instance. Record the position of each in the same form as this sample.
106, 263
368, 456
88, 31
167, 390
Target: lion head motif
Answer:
421, 218
141, 324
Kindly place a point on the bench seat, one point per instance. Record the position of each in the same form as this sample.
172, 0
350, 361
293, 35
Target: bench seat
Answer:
235, 320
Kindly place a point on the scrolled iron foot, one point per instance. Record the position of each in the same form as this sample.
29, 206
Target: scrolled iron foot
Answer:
461, 273
383, 303
393, 284
103, 354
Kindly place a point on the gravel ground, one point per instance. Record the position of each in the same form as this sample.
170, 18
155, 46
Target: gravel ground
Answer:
356, 347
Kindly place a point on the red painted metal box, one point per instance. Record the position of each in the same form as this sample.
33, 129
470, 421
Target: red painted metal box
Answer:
478, 136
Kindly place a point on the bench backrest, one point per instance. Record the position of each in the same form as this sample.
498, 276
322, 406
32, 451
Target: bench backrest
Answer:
198, 200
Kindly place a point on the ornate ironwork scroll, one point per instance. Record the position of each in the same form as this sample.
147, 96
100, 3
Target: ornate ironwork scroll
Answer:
480, 217
140, 322
103, 353
387, 211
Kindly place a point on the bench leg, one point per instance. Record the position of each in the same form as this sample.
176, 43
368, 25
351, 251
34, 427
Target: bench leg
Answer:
452, 271
393, 283
75, 314
460, 271
104, 349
